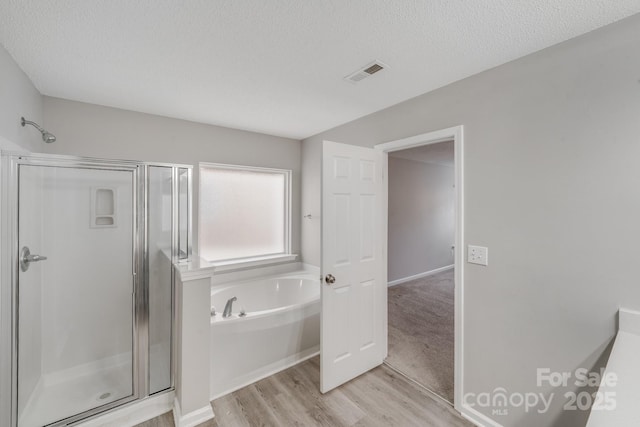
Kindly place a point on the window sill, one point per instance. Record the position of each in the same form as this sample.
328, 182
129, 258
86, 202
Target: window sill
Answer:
222, 266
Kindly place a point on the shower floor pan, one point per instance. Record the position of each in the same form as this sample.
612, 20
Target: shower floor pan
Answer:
64, 394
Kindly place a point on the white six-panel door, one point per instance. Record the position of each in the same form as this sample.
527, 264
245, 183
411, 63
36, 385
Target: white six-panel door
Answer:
354, 307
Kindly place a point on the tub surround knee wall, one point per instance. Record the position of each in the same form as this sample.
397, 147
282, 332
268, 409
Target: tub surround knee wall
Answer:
193, 291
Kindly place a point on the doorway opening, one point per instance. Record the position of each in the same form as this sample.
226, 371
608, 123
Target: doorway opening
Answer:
421, 233
424, 222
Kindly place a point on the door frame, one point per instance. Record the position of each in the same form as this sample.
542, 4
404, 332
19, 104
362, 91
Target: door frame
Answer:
456, 134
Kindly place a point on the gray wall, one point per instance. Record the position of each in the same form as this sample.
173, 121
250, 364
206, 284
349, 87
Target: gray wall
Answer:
92, 130
18, 97
421, 217
552, 143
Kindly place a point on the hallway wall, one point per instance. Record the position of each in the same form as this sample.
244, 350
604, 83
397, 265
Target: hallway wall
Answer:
421, 226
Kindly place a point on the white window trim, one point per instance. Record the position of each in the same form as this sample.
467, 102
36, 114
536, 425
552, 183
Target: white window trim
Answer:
259, 260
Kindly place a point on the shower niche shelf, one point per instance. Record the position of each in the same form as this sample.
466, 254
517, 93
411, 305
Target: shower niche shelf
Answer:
104, 207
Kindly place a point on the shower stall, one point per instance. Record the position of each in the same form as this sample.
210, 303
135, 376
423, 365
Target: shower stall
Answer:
87, 293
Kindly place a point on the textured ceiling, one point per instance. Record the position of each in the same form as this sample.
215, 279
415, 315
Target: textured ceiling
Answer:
277, 66
441, 153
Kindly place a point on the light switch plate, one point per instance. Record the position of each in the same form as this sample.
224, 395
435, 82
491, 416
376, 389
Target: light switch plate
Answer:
478, 255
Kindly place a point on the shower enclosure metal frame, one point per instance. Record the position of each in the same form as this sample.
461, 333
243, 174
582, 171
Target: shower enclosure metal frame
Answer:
9, 270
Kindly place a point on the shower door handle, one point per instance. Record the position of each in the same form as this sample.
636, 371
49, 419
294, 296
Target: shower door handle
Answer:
26, 258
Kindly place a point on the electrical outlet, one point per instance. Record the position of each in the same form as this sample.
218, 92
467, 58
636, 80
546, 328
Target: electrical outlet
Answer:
478, 255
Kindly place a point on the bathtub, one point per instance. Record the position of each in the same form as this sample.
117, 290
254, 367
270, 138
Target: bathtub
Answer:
280, 327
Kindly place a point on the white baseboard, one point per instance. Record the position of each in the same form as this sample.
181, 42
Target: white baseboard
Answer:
193, 418
477, 418
420, 275
134, 413
266, 371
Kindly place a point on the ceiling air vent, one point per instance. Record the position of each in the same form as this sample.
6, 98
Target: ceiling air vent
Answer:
366, 71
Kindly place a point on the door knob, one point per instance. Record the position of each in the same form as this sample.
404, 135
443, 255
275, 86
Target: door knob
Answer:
330, 279
26, 258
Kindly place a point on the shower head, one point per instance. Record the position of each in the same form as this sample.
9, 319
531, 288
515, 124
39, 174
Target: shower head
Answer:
46, 136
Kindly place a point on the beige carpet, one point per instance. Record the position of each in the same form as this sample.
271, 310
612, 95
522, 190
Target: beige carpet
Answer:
421, 331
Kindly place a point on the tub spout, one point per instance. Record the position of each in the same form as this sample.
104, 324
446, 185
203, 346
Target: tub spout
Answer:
228, 307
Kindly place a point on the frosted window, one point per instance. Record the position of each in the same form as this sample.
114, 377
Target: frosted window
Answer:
244, 212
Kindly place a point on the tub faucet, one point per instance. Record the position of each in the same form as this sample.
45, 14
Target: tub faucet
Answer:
228, 307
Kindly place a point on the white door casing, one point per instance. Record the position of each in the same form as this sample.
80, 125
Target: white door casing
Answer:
354, 308
456, 134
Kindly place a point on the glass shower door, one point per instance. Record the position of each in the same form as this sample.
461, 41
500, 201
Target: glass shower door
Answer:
75, 291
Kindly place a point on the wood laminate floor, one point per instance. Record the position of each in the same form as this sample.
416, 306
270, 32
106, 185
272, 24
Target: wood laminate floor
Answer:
380, 397
421, 331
